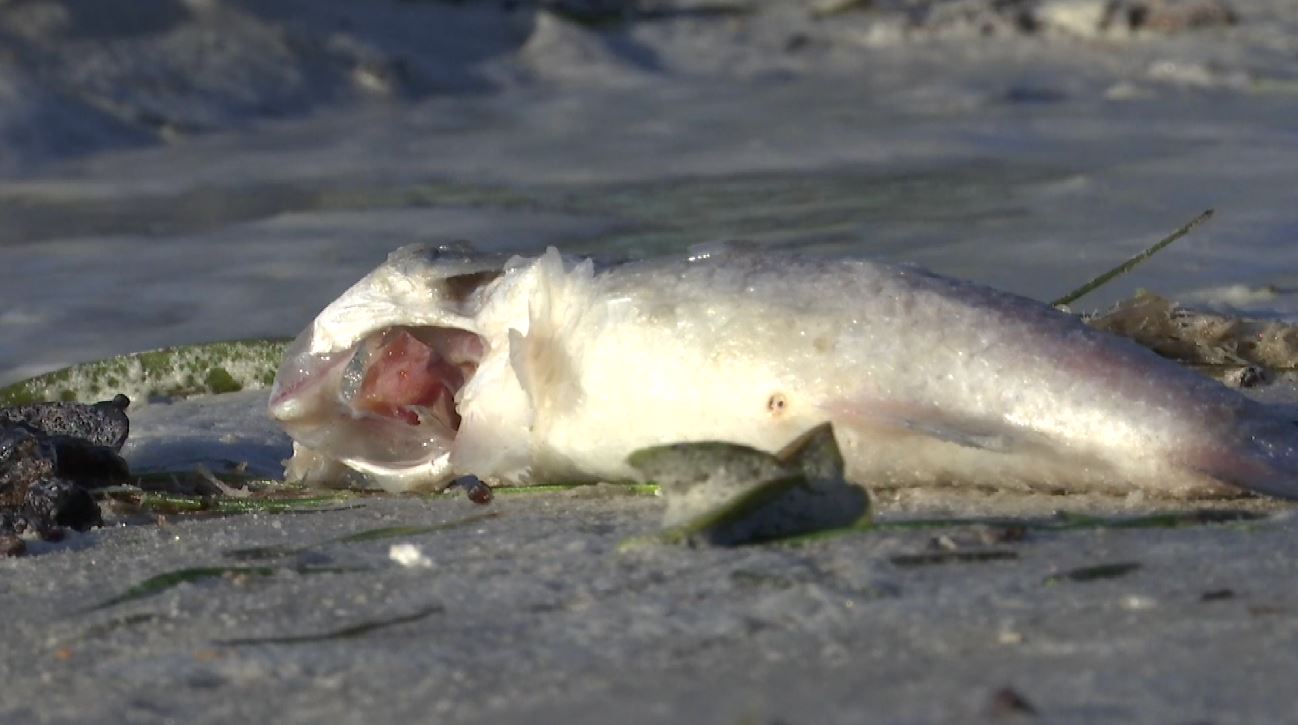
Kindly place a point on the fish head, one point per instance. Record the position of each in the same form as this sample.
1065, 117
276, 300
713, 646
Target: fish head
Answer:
376, 380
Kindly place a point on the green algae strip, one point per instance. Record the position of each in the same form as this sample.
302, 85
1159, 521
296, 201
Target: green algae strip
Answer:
257, 553
170, 503
158, 479
276, 497
597, 15
161, 502
172, 372
930, 558
355, 630
162, 582
830, 8
172, 492
631, 489
391, 532
129, 620
1131, 263
1063, 521
1093, 573
1172, 520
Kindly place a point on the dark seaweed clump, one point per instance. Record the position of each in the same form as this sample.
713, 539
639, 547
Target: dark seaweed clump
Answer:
52, 456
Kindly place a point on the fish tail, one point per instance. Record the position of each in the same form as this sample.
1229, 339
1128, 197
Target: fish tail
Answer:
1264, 460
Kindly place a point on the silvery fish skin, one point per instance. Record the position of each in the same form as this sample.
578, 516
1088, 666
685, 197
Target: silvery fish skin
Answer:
440, 364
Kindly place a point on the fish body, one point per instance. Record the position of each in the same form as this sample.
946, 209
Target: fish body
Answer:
438, 365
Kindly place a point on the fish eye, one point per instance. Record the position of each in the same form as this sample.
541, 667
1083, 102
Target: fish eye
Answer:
777, 403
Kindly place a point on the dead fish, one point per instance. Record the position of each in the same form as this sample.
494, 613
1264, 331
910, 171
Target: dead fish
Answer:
440, 363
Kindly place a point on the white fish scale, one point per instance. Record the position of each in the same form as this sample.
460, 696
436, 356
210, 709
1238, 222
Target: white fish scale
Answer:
741, 328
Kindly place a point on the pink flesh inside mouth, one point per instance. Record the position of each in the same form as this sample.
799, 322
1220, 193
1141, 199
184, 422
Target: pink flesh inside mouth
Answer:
414, 374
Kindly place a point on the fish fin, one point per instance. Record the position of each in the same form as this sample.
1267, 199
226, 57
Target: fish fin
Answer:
488, 448
545, 370
917, 419
1258, 464
541, 358
492, 441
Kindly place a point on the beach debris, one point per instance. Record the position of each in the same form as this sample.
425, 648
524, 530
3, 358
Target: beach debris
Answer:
234, 574
1131, 262
1237, 349
1113, 19
475, 489
1249, 376
972, 17
52, 455
11, 545
979, 535
410, 556
602, 13
1008, 702
581, 489
1094, 573
1013, 533
725, 494
208, 368
1091, 18
217, 487
983, 533
1137, 603
347, 632
153, 497
1064, 521
54, 502
1176, 16
261, 553
930, 558
103, 424
830, 8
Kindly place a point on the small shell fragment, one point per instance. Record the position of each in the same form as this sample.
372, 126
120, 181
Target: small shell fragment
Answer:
410, 556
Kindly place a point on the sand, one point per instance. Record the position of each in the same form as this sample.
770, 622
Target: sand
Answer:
217, 169
528, 610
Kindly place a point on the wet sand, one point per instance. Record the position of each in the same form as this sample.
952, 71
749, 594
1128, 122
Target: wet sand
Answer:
526, 610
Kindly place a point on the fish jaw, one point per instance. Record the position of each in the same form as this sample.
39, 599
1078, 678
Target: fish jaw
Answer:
1258, 453
379, 408
374, 383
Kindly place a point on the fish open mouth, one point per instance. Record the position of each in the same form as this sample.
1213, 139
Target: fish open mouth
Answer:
387, 404
413, 375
